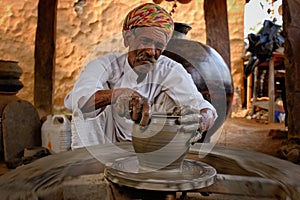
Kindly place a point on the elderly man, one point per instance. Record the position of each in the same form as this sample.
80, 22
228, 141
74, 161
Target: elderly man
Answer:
117, 90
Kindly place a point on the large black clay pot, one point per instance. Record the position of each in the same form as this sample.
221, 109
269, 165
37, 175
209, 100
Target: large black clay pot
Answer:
209, 71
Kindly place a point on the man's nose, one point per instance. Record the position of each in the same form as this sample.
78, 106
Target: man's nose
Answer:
150, 49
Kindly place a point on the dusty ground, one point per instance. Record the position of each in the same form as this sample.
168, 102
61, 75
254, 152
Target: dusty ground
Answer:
252, 135
242, 133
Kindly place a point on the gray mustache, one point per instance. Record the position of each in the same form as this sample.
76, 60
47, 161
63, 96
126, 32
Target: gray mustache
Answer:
146, 58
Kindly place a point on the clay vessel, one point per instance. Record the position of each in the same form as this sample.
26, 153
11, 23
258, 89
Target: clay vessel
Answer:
161, 146
209, 72
10, 84
182, 1
10, 73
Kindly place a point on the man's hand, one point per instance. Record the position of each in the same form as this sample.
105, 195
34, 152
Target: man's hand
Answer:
195, 121
208, 119
130, 104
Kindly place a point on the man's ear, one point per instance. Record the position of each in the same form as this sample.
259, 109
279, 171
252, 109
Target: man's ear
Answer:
128, 36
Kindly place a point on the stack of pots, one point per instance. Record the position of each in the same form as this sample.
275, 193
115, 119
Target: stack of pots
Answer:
10, 84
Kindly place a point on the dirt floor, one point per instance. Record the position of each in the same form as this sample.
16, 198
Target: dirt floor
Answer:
242, 133
253, 135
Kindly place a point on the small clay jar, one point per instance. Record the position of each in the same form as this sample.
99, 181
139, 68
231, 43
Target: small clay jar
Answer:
162, 145
182, 1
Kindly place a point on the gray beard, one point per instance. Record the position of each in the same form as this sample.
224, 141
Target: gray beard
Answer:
141, 77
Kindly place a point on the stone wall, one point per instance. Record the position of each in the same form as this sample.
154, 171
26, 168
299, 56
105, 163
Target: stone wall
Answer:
81, 36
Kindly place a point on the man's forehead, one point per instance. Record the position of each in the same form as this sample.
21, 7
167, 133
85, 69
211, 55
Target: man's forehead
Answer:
151, 32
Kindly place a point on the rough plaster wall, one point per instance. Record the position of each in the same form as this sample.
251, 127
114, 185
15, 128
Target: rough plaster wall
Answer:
17, 36
236, 30
82, 37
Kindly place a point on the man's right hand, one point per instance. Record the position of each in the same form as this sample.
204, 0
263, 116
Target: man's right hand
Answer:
131, 104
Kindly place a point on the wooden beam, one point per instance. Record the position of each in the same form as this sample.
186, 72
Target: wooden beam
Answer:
217, 34
44, 56
291, 29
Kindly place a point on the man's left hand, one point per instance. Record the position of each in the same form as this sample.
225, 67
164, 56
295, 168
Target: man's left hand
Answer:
196, 121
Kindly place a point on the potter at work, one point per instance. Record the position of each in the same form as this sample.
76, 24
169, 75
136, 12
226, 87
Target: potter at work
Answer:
138, 122
118, 92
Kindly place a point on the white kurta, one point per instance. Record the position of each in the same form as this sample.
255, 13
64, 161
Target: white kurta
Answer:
113, 71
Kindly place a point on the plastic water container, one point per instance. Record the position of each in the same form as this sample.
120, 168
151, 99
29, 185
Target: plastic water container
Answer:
56, 133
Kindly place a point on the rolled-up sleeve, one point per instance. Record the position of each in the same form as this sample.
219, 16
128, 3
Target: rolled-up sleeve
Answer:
92, 78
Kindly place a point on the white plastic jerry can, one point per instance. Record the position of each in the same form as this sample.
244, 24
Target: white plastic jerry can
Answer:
56, 133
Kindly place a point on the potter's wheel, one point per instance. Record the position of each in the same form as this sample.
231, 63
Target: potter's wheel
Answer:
194, 175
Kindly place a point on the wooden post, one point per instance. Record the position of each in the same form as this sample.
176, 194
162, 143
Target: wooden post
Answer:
271, 91
249, 91
291, 28
44, 56
254, 91
216, 21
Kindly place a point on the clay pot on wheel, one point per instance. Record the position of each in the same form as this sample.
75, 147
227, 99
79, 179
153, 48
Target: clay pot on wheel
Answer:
161, 146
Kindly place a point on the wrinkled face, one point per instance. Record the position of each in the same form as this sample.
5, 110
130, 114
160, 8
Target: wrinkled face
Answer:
145, 47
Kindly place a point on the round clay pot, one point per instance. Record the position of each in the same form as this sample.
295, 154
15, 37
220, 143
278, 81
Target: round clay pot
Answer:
182, 1
10, 69
157, 1
208, 70
160, 146
10, 73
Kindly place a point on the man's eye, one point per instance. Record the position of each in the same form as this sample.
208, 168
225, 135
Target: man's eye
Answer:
147, 41
159, 45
